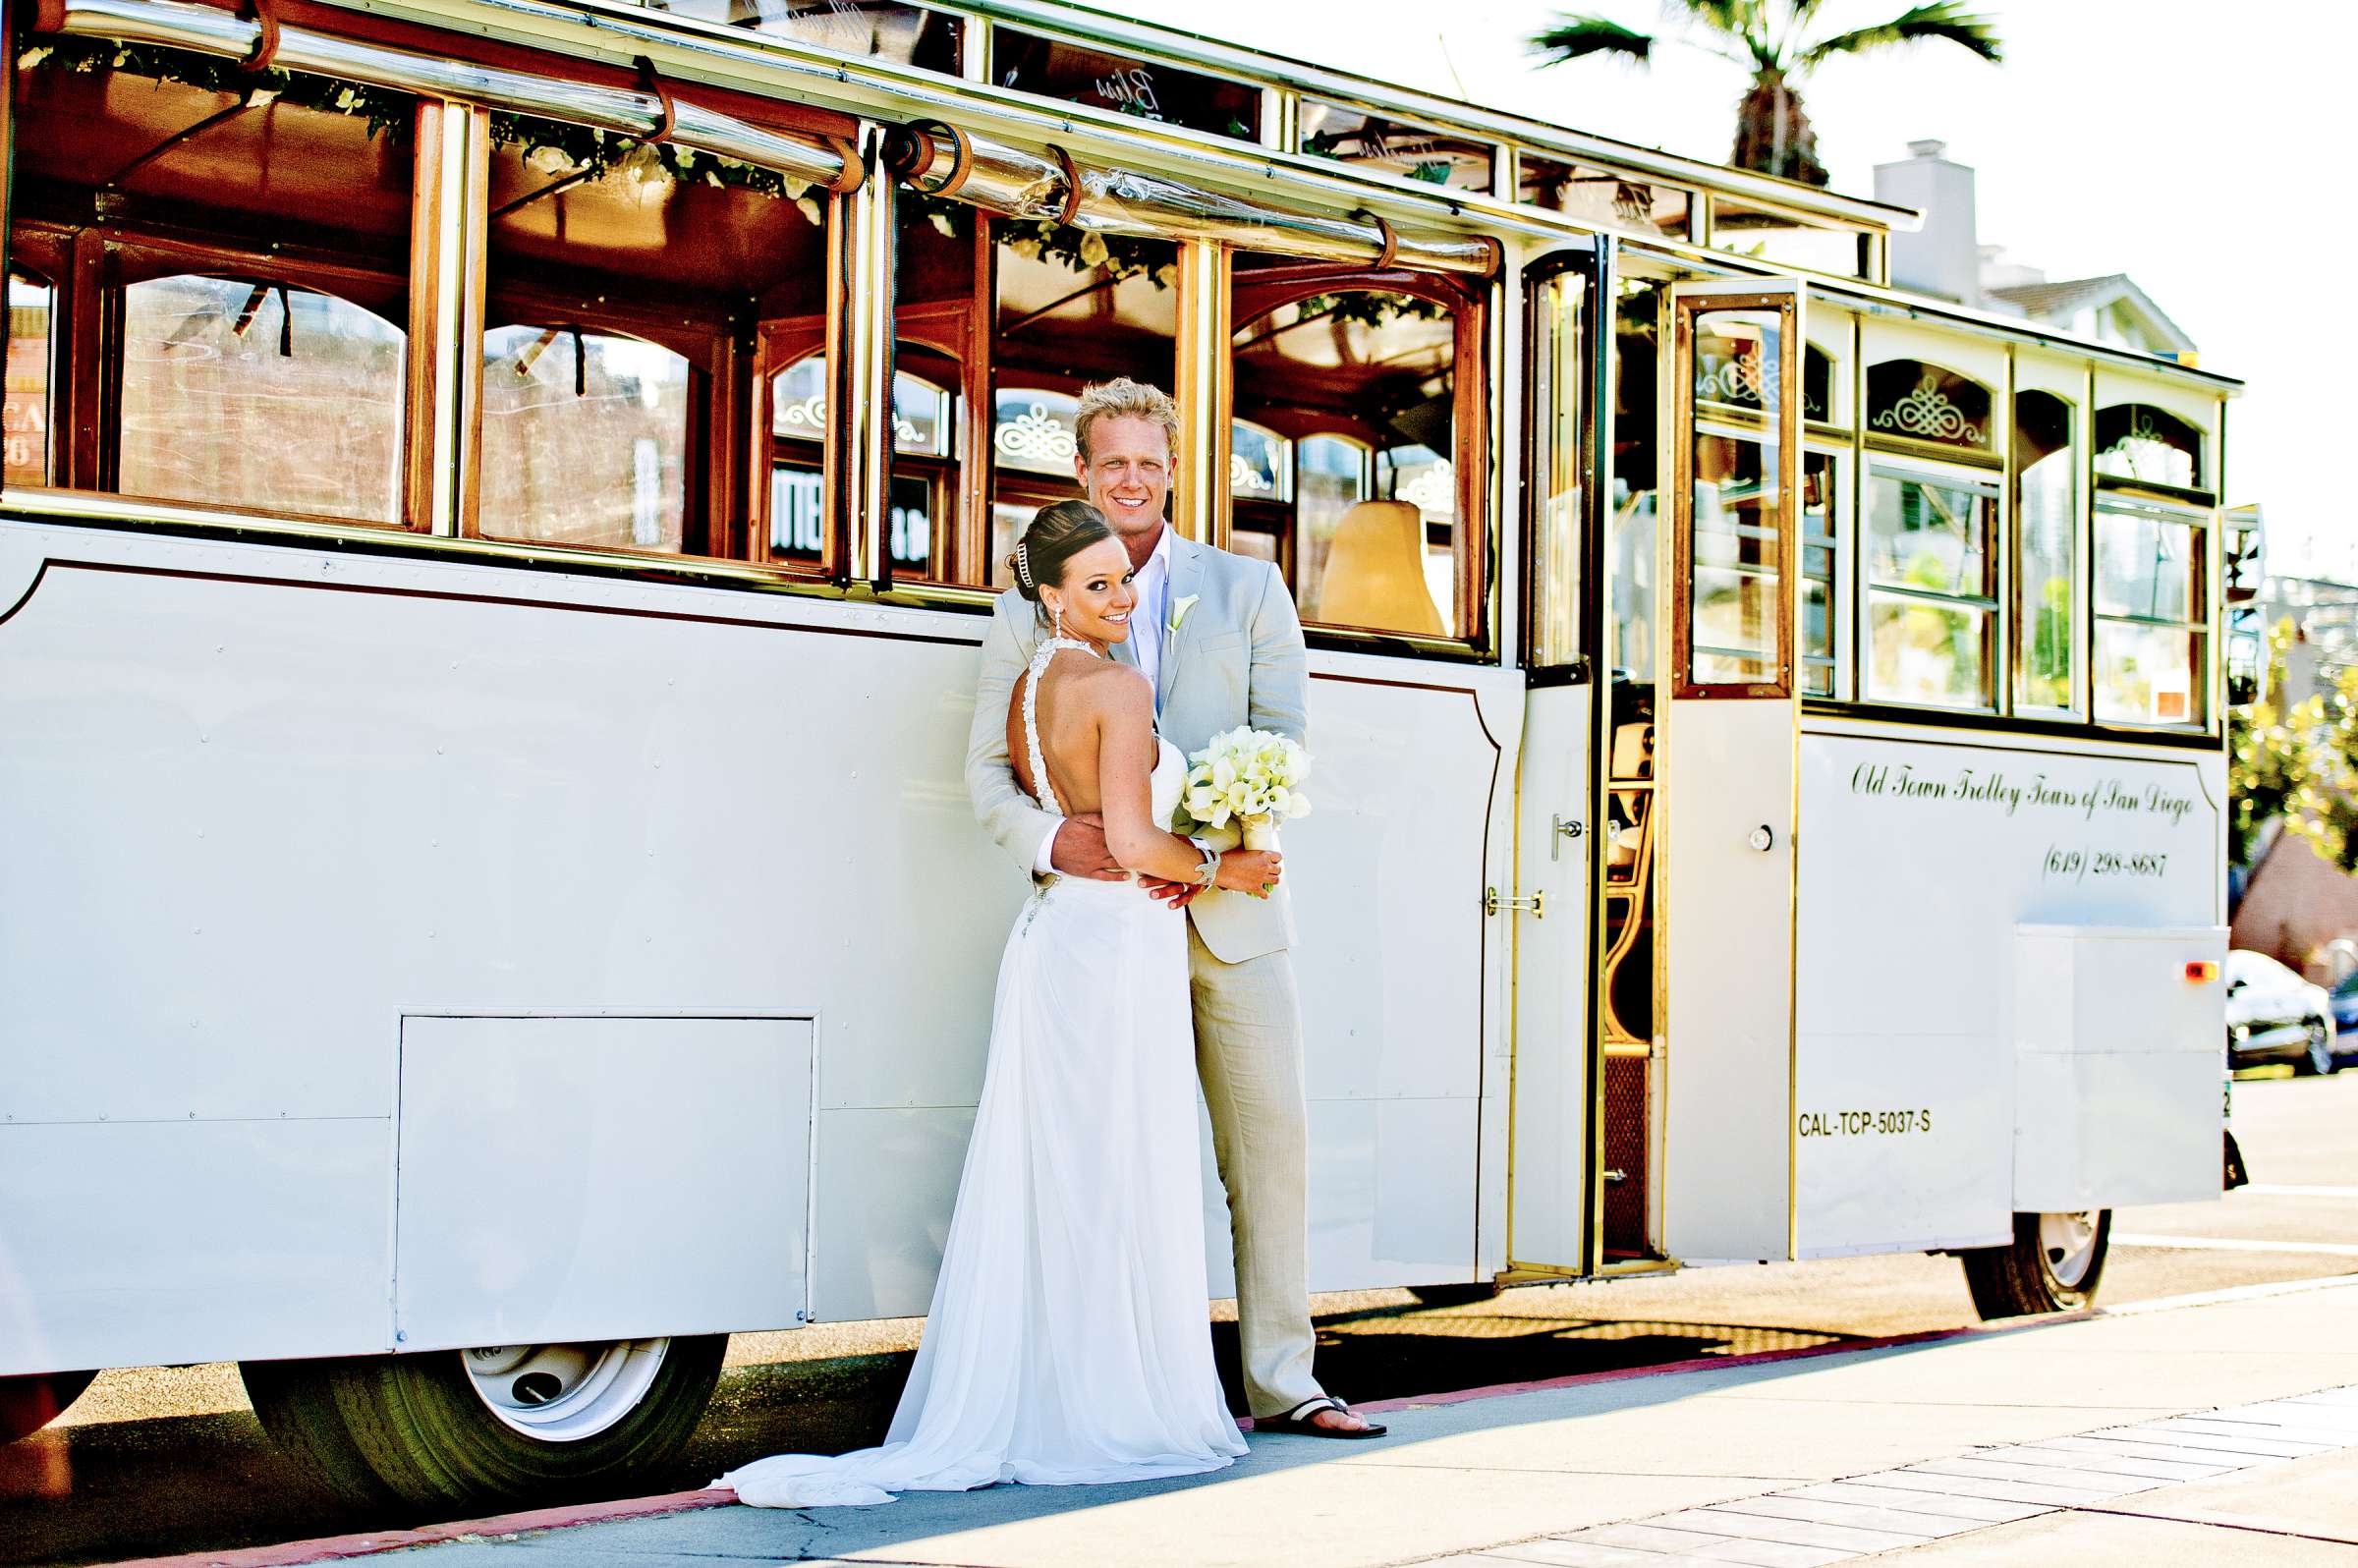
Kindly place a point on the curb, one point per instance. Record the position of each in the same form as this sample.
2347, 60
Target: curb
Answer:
330, 1548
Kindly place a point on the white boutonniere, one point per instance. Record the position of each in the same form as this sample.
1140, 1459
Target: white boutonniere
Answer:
1179, 609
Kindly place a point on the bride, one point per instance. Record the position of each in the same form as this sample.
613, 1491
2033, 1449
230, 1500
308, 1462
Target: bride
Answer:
1067, 1342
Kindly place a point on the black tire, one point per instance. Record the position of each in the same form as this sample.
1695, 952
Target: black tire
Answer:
32, 1400
1457, 1295
2019, 1279
2316, 1056
410, 1431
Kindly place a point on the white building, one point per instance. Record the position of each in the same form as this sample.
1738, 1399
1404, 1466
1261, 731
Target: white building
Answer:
1946, 259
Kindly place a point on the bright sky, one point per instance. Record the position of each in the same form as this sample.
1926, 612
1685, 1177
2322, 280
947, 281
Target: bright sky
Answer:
2183, 144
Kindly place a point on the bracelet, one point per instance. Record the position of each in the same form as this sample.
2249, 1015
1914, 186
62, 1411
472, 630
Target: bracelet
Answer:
1208, 873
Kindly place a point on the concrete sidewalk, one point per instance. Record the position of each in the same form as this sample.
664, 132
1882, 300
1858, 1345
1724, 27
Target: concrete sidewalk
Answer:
1788, 1461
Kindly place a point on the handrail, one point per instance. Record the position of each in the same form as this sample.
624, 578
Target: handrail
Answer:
1180, 47
203, 30
944, 161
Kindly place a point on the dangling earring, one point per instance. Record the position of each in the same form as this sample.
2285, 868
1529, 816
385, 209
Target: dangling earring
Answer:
1059, 623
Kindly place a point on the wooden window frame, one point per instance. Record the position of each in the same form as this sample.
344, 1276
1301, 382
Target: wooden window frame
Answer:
1256, 294
1687, 426
715, 356
79, 258
95, 266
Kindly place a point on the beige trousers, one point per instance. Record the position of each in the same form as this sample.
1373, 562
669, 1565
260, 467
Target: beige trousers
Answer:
1249, 1056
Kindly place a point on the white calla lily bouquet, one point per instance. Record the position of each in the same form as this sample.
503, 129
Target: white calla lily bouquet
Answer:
1241, 787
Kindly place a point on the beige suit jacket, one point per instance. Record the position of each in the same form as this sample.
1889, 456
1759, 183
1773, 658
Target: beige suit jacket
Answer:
1236, 657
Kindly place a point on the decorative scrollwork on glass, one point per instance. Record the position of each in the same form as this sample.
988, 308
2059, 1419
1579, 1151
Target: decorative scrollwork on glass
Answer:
2142, 427
807, 418
1034, 438
1245, 478
1734, 380
1927, 414
1432, 492
2139, 441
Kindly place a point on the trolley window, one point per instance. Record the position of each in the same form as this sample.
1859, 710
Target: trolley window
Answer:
618, 364
1073, 307
230, 257
1008, 319
1927, 405
2152, 606
1824, 597
925, 433
1351, 381
1603, 196
1931, 604
585, 437
2139, 442
1396, 147
258, 394
2047, 484
28, 417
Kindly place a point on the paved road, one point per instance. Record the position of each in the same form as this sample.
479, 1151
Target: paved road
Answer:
172, 1460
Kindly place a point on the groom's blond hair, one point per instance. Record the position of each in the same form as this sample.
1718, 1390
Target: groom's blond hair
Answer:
1124, 399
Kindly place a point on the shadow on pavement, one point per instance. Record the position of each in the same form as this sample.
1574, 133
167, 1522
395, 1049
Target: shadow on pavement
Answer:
115, 1489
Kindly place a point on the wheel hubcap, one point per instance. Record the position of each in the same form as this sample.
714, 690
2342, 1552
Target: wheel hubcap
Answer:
564, 1393
2068, 1242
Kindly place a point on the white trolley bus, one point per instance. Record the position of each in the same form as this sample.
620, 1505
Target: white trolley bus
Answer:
499, 495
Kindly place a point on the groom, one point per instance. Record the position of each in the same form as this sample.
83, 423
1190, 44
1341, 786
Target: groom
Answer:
1217, 635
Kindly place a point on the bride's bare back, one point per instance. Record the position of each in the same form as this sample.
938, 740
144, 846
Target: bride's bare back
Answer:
1081, 710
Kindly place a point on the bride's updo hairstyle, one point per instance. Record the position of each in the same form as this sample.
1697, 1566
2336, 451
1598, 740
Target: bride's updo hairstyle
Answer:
1056, 533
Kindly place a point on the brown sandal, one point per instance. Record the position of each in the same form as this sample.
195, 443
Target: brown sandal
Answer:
1299, 1420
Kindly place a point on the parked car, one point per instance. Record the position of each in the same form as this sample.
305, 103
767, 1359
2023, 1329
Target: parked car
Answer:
2345, 998
2273, 1013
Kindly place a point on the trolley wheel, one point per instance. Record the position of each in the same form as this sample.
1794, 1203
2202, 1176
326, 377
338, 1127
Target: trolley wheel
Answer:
32, 1400
2318, 1053
502, 1422
1457, 1295
2052, 1264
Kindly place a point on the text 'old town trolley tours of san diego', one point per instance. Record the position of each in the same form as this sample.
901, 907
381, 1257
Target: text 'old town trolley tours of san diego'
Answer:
500, 499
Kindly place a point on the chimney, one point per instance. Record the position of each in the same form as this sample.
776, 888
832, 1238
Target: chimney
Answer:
1944, 258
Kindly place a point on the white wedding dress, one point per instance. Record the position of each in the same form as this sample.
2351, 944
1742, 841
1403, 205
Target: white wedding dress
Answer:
1068, 1341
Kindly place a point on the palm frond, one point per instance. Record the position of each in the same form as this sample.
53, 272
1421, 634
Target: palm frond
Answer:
1943, 21
1724, 16
1741, 25
1578, 38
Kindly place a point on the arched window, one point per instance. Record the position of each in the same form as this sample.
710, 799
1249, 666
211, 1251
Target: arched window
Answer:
1913, 401
1259, 463
924, 447
2138, 441
1334, 474
585, 438
1260, 492
31, 307
1816, 384
262, 395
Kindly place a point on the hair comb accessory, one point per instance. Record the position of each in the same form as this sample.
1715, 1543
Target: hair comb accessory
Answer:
1023, 565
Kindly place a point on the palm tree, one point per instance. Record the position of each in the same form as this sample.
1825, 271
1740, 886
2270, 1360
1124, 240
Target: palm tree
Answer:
1767, 39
